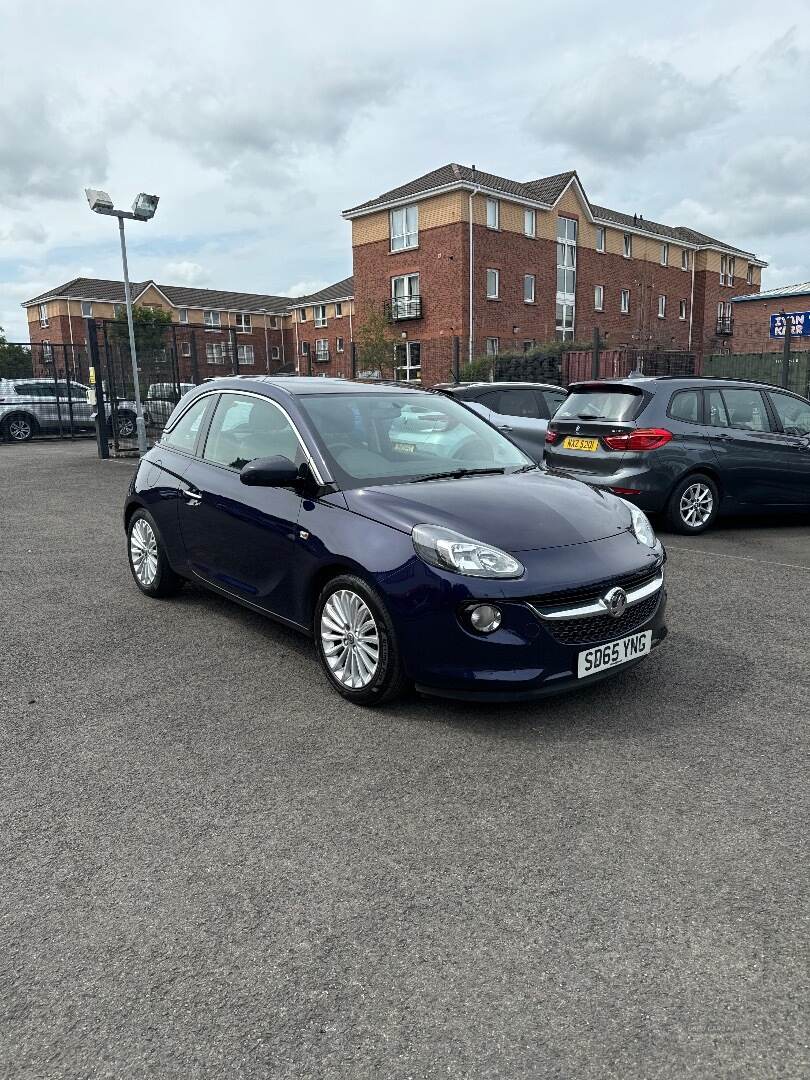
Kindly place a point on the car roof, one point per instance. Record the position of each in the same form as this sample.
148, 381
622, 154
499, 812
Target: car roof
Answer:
301, 385
500, 384
673, 382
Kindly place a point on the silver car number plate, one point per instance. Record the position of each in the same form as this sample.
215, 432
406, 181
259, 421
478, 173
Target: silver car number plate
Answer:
614, 653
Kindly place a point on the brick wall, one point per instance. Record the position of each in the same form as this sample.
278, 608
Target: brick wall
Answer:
752, 321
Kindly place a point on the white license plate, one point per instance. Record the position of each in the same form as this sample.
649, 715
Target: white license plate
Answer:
614, 653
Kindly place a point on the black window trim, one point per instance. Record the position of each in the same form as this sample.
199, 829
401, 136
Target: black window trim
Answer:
776, 419
701, 421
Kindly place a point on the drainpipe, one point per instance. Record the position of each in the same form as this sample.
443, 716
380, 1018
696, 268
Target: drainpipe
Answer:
472, 257
692, 300
297, 346
70, 331
266, 348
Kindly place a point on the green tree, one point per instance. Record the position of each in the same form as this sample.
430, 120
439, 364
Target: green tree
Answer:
15, 360
149, 325
375, 345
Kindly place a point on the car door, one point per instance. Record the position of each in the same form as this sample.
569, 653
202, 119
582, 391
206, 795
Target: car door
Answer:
243, 539
745, 444
520, 415
792, 415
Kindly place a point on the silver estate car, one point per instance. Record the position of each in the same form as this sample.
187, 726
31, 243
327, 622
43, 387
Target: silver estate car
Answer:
30, 407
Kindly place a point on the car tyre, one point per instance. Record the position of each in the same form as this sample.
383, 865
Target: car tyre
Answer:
127, 426
356, 643
20, 428
693, 505
147, 557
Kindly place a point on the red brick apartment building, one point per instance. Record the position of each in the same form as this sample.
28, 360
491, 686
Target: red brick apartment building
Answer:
752, 317
323, 329
207, 321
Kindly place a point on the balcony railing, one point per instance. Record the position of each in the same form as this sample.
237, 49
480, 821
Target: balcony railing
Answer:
403, 307
320, 357
725, 324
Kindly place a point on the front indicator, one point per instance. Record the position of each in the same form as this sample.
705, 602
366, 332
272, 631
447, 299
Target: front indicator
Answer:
485, 618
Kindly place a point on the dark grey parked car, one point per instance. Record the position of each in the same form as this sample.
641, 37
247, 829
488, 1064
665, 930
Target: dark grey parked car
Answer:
521, 410
686, 447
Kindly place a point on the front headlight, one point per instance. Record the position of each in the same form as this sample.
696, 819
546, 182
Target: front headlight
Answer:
451, 551
642, 529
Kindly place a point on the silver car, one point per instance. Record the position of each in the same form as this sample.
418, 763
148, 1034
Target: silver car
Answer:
30, 407
521, 410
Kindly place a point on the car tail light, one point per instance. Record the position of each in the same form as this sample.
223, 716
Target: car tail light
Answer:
551, 436
642, 439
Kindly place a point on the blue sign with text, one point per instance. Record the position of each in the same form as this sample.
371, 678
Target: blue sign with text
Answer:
799, 324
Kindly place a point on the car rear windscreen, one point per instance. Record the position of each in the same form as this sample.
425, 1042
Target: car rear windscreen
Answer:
602, 404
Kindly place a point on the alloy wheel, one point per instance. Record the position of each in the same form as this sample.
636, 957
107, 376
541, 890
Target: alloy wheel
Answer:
696, 506
126, 428
19, 429
143, 551
350, 639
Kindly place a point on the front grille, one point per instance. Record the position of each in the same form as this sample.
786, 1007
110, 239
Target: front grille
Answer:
585, 593
598, 628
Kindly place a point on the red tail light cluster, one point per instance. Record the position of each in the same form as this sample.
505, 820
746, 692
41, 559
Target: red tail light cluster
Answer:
551, 436
642, 439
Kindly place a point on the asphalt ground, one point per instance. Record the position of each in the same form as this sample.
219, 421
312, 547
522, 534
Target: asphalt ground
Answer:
213, 866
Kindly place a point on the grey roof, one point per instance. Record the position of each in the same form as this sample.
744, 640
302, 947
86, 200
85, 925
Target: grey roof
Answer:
802, 289
341, 290
546, 190
179, 295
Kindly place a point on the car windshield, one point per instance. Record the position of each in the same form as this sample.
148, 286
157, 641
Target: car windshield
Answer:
377, 438
607, 404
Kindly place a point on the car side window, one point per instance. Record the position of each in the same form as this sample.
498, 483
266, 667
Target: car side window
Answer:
717, 415
247, 427
183, 435
685, 405
490, 400
553, 399
793, 413
518, 402
746, 410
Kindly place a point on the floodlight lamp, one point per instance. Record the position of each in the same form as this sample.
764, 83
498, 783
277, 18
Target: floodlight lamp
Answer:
99, 201
145, 206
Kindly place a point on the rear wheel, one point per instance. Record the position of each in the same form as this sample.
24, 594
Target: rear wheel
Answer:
147, 557
126, 425
693, 505
20, 428
356, 643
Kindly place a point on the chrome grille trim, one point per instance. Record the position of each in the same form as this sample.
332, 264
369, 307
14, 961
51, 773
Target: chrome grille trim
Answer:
597, 607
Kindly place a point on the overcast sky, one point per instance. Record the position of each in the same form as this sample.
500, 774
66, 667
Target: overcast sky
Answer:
257, 123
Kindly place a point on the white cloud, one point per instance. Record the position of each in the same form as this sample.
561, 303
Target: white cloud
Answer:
304, 288
184, 273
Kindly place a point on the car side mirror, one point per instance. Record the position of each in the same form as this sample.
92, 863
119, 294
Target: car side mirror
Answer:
275, 471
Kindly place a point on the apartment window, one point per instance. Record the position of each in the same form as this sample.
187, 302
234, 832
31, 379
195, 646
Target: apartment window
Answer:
185, 348
628, 246
493, 214
182, 315
405, 299
404, 227
47, 352
600, 238
87, 309
274, 322
339, 344
564, 321
43, 314
408, 361
493, 284
726, 269
305, 348
528, 288
275, 352
566, 276
211, 320
243, 325
528, 345
119, 311
319, 314
530, 222
730, 275
682, 310
665, 254
215, 352
338, 311
321, 350
493, 345
749, 277
625, 302
302, 315
599, 298
662, 307
245, 354
685, 259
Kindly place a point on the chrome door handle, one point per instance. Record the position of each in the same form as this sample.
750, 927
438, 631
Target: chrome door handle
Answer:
192, 497
507, 427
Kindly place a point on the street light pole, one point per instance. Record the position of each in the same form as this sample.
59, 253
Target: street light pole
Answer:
140, 423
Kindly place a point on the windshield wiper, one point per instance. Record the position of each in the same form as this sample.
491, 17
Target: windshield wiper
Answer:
454, 474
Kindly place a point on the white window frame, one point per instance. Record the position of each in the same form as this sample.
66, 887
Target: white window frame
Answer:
529, 285
215, 352
412, 371
319, 315
43, 315
732, 263
566, 307
405, 304
493, 346
302, 314
212, 320
685, 259
496, 279
493, 213
244, 323
182, 314
246, 354
599, 298
47, 352
321, 350
340, 345
403, 224
664, 253
87, 309
529, 222
683, 310
275, 352
662, 306
601, 239
628, 246
749, 277
624, 302
338, 309
185, 348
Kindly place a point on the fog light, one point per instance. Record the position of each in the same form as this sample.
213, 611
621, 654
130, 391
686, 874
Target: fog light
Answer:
485, 618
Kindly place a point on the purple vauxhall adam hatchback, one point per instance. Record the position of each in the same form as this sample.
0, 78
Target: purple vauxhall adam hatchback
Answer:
412, 540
